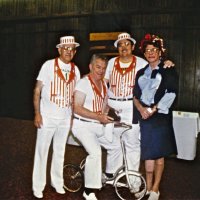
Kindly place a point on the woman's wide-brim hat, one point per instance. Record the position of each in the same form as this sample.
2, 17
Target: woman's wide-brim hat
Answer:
67, 40
124, 36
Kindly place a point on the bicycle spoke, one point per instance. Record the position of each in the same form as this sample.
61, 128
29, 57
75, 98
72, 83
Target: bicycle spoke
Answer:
73, 178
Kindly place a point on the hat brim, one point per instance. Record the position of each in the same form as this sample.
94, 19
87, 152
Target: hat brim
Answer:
131, 39
60, 45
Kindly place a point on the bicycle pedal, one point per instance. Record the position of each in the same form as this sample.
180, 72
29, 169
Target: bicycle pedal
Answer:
109, 182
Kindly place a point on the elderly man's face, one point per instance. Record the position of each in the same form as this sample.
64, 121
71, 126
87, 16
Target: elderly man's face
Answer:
67, 52
98, 69
125, 48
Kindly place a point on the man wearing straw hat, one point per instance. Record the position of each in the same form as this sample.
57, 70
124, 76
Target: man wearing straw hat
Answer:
52, 105
120, 73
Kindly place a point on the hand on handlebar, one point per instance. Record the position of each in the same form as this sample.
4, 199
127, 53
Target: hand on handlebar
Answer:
105, 119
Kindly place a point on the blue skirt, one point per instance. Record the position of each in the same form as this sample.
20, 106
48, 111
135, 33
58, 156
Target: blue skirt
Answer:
157, 137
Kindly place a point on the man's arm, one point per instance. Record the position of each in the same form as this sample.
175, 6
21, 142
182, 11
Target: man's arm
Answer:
168, 64
36, 104
79, 99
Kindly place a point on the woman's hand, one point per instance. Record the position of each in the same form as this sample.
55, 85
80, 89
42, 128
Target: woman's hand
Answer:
145, 112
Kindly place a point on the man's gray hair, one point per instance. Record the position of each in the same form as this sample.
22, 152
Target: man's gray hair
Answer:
98, 56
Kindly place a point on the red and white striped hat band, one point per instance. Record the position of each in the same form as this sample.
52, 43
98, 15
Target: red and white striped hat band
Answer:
124, 36
67, 40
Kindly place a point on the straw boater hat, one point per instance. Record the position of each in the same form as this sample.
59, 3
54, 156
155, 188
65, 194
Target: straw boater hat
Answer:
67, 40
124, 36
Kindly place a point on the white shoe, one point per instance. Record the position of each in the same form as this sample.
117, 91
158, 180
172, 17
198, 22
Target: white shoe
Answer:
91, 196
154, 195
38, 195
60, 190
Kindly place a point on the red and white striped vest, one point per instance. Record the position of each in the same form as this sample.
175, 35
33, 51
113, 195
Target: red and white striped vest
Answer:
62, 88
122, 80
98, 96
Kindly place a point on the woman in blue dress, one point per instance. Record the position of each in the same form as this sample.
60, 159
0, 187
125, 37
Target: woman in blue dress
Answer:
154, 94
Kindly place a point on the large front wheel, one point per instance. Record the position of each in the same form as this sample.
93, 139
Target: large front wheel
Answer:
137, 188
73, 178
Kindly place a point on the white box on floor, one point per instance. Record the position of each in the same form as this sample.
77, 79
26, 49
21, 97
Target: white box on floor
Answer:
186, 127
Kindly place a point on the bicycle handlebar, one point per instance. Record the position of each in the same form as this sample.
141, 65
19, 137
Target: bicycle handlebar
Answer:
123, 125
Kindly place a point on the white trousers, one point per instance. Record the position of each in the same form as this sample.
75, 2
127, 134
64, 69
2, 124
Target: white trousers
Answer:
131, 139
56, 130
91, 135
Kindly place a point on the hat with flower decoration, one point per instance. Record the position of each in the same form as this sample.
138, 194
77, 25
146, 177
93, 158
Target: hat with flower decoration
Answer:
154, 39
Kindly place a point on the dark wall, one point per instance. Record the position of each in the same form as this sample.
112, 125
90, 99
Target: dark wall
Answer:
27, 41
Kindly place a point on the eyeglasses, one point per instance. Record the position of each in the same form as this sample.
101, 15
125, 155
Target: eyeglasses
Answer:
68, 48
153, 50
121, 44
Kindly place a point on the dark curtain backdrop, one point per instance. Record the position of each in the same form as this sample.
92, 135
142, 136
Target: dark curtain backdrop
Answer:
30, 31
